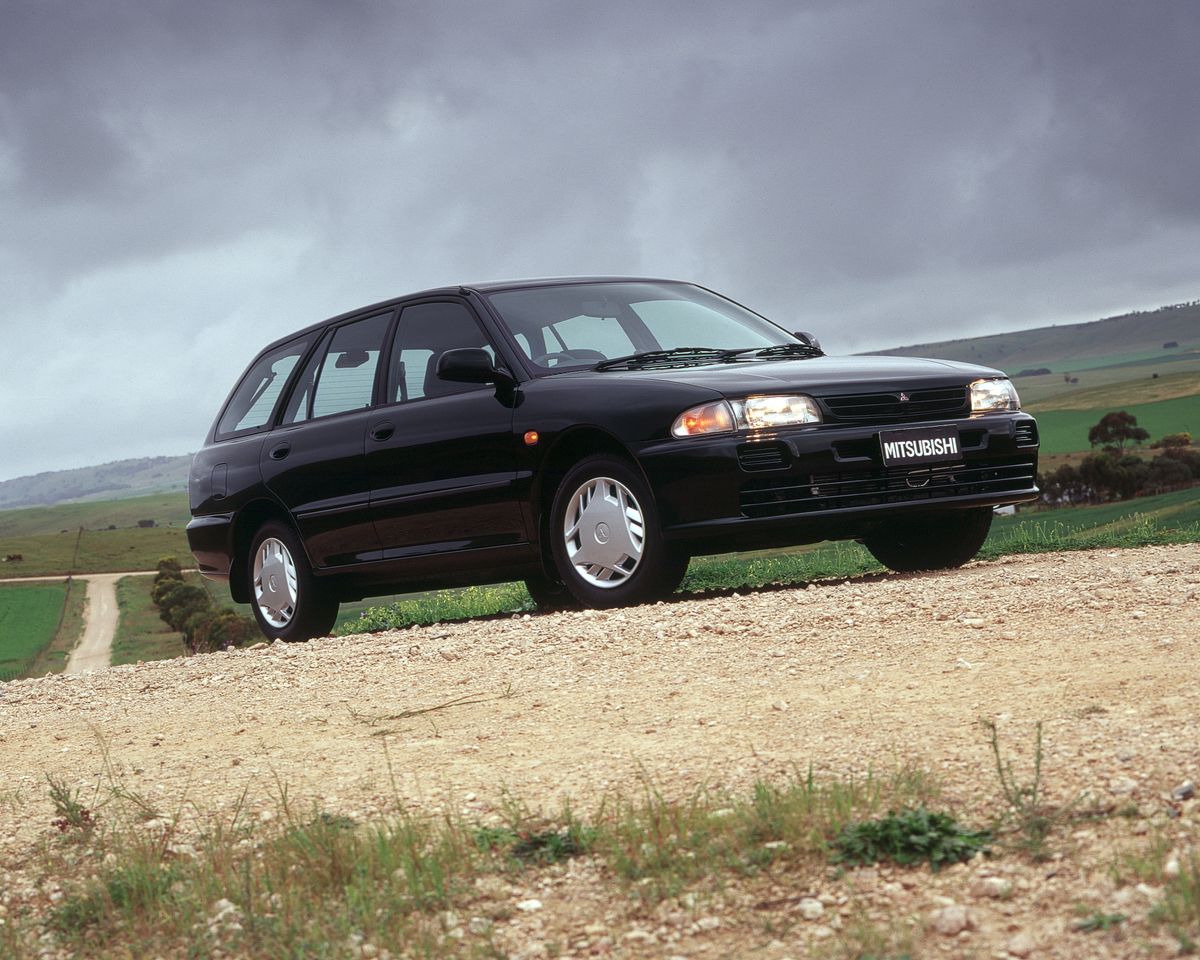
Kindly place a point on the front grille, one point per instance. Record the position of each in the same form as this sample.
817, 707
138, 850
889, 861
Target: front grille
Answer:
909, 406
763, 456
840, 491
1026, 433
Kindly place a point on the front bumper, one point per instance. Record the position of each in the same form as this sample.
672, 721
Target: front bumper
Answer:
828, 482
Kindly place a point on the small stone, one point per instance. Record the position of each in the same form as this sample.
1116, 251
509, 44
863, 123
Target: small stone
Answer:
811, 908
1171, 867
479, 925
528, 906
780, 705
951, 921
994, 888
708, 923
1185, 791
1020, 944
1122, 786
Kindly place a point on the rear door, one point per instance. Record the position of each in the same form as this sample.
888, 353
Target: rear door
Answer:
315, 460
441, 455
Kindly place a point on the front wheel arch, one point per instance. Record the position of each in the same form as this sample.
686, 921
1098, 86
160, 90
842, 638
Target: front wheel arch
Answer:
605, 539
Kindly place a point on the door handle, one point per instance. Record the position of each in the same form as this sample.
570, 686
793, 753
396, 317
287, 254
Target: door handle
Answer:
281, 451
382, 431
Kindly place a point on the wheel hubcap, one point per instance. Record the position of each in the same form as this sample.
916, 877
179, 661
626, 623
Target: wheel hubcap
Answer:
604, 532
275, 582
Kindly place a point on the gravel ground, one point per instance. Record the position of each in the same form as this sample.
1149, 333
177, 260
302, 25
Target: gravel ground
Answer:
1100, 647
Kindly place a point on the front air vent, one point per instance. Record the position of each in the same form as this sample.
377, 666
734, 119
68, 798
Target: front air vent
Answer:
900, 406
763, 456
791, 495
1026, 433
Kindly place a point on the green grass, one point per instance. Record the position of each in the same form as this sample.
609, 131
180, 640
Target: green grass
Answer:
141, 634
1050, 389
163, 508
1121, 394
1065, 431
53, 658
29, 618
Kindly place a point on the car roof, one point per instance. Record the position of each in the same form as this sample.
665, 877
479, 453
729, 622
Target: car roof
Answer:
462, 289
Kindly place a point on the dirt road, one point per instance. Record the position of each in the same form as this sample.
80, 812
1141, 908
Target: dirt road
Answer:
94, 649
1100, 647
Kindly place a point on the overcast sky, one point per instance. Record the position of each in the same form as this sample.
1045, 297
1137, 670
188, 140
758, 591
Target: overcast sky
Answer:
181, 182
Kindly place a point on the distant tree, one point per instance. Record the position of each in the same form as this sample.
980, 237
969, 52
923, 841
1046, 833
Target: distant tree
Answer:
220, 630
1117, 429
180, 602
168, 567
1172, 440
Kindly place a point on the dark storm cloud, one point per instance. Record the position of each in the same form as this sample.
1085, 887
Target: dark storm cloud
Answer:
181, 182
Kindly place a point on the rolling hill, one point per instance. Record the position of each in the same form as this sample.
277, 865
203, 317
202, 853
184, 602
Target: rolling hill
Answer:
1113, 341
108, 481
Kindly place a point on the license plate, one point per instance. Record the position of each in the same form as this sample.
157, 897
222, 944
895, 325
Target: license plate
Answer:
914, 448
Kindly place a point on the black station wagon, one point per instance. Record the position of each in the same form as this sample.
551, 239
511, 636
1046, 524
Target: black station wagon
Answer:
587, 436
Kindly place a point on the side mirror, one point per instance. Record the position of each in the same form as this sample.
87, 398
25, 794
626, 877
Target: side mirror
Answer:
807, 338
470, 365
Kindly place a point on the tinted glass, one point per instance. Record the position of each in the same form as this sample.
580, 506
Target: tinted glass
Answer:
346, 378
254, 399
425, 332
576, 325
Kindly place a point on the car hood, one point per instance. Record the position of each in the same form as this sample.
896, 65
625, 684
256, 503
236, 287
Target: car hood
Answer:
818, 375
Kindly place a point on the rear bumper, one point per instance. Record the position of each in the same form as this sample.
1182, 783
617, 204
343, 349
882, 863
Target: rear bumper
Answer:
827, 482
211, 541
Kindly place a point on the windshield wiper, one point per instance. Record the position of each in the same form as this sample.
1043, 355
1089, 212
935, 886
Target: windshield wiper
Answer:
779, 350
680, 356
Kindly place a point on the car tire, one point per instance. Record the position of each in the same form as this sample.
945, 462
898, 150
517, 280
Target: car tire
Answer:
288, 602
549, 594
605, 538
938, 541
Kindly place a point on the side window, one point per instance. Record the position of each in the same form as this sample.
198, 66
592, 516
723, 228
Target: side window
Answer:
299, 404
252, 402
345, 378
425, 332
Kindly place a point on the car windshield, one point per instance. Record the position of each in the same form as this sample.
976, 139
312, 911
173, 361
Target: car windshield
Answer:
580, 325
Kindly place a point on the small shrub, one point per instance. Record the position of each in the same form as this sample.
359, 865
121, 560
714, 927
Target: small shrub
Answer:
908, 838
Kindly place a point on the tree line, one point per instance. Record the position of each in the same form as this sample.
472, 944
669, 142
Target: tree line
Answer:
190, 610
1113, 473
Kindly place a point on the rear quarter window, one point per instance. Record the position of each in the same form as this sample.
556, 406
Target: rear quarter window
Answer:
254, 398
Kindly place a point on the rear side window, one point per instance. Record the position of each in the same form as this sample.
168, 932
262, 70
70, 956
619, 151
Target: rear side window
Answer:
346, 379
254, 399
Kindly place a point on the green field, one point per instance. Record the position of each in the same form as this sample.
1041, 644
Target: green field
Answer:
1065, 431
141, 634
97, 537
29, 619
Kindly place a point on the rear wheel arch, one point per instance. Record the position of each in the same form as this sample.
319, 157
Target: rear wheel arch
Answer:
249, 521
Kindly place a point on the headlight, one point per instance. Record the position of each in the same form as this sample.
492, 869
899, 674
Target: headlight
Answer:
988, 396
761, 413
707, 418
